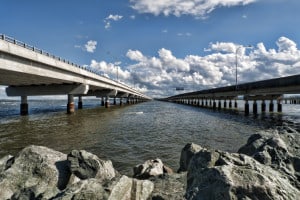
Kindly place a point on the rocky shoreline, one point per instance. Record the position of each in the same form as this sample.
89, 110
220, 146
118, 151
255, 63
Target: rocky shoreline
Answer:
266, 167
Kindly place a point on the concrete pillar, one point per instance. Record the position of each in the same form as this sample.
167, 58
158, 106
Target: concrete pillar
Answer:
202, 103
246, 107
128, 100
271, 106
214, 105
206, 103
70, 105
210, 103
121, 101
24, 106
80, 105
198, 103
102, 101
107, 104
219, 106
255, 107
225, 104
230, 104
279, 106
263, 106
235, 104
115, 101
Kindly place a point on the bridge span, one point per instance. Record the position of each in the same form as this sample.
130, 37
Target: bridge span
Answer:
271, 90
29, 71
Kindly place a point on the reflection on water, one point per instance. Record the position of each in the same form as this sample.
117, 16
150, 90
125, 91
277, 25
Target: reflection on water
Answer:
129, 135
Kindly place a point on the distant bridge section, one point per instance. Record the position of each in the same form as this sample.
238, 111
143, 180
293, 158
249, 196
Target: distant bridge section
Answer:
271, 90
29, 71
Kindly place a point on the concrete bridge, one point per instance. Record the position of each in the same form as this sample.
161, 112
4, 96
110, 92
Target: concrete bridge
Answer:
271, 90
29, 71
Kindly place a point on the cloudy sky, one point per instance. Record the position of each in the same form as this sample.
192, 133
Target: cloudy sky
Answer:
157, 46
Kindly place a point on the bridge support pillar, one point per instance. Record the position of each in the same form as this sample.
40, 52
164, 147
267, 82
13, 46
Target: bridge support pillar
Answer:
279, 106
230, 104
225, 104
210, 103
107, 104
24, 106
214, 105
128, 100
246, 107
121, 101
80, 105
235, 104
263, 106
254, 107
102, 101
271, 106
219, 106
70, 105
115, 101
206, 103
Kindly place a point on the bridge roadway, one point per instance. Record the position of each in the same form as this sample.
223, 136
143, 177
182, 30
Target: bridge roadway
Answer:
271, 90
29, 71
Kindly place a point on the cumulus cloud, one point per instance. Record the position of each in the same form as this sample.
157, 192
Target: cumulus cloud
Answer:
90, 46
159, 75
111, 18
196, 8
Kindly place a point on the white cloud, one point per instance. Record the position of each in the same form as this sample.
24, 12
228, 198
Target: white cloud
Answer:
159, 75
196, 8
111, 18
90, 46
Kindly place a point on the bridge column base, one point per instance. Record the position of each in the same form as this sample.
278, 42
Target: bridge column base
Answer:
271, 106
254, 107
279, 106
263, 106
107, 104
230, 104
102, 101
246, 108
80, 104
115, 101
70, 105
121, 101
24, 106
235, 104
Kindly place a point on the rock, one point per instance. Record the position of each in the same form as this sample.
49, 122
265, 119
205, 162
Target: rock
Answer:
220, 175
187, 153
85, 165
37, 171
274, 150
128, 188
148, 169
169, 186
116, 189
6, 162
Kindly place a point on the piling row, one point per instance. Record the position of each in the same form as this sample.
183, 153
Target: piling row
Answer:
231, 103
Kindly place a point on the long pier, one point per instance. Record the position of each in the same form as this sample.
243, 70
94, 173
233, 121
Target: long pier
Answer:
271, 90
29, 71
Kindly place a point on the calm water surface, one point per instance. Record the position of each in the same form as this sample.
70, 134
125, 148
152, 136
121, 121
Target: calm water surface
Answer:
129, 135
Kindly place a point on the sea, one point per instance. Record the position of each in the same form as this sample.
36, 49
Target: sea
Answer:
129, 135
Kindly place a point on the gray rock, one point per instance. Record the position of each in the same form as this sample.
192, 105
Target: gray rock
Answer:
187, 153
37, 171
169, 186
6, 162
148, 169
277, 151
220, 175
85, 165
121, 188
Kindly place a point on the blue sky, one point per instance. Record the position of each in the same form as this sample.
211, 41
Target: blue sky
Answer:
159, 45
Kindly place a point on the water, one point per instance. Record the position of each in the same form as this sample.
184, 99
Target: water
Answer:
129, 135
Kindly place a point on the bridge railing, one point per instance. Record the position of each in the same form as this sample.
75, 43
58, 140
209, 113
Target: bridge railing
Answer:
37, 50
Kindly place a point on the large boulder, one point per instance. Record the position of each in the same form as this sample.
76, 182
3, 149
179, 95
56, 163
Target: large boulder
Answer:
151, 168
120, 188
36, 172
86, 165
217, 175
277, 150
188, 151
